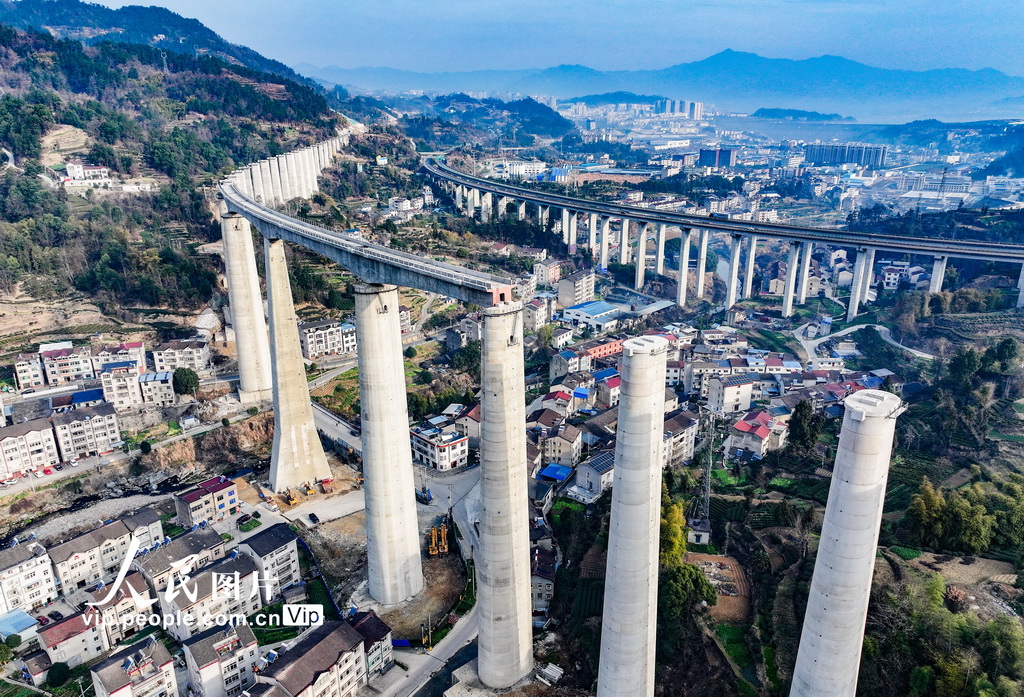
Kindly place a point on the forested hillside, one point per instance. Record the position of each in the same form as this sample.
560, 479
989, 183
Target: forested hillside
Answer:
184, 125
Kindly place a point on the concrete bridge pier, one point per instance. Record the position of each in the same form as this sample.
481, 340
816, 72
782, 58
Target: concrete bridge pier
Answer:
592, 235
574, 230
521, 210
869, 275
275, 181
702, 261
938, 274
297, 455
459, 198
828, 659
503, 561
748, 271
310, 172
256, 183
659, 259
542, 216
641, 257
858, 280
503, 207
565, 226
1020, 287
486, 207
392, 537
684, 267
251, 341
804, 278
606, 233
789, 289
629, 621
286, 182
733, 282
291, 163
624, 242
268, 184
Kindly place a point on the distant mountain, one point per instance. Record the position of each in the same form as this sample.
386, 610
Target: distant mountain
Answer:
738, 81
798, 115
133, 24
616, 98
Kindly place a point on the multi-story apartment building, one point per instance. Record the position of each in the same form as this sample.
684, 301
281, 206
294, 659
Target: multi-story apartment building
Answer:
198, 610
730, 394
440, 449
564, 446
63, 363
547, 272
376, 641
680, 438
121, 385
27, 446
129, 351
576, 288
76, 639
121, 616
172, 355
158, 388
159, 565
144, 669
327, 337
843, 153
98, 554
87, 432
26, 578
28, 371
328, 660
221, 661
276, 553
212, 500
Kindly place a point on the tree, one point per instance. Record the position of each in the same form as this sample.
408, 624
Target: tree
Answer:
804, 427
926, 515
225, 421
145, 447
186, 381
13, 641
410, 352
59, 674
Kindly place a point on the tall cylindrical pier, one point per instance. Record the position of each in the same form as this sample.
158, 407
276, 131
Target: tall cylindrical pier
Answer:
828, 659
629, 622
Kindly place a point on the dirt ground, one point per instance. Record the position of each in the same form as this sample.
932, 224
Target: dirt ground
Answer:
965, 570
61, 141
445, 580
729, 580
22, 317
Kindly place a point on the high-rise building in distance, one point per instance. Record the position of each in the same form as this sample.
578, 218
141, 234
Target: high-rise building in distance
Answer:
717, 158
846, 153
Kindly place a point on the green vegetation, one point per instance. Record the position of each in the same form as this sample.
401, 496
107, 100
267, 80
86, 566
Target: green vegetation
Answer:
250, 525
273, 629
905, 553
186, 381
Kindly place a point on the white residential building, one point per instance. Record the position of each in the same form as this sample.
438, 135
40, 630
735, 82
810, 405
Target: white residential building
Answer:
121, 385
27, 446
144, 669
327, 337
121, 615
158, 388
28, 371
26, 578
221, 661
199, 614
172, 355
597, 474
327, 661
133, 351
87, 432
64, 364
440, 449
76, 639
276, 553
98, 554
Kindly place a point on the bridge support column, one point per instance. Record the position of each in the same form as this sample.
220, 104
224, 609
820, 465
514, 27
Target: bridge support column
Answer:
659, 259
282, 174
629, 620
486, 207
938, 274
606, 233
869, 276
543, 212
684, 267
574, 230
702, 261
297, 455
268, 185
791, 272
310, 169
291, 163
641, 256
592, 236
624, 242
1020, 287
474, 202
828, 659
748, 271
565, 226
853, 305
521, 210
503, 207
503, 561
804, 279
392, 538
458, 197
251, 341
733, 282
256, 183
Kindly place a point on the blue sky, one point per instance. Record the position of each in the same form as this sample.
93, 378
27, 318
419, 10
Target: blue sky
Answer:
432, 35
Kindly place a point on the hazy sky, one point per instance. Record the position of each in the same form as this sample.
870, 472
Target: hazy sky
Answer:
431, 35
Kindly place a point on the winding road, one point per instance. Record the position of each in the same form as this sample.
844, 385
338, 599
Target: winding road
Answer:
810, 345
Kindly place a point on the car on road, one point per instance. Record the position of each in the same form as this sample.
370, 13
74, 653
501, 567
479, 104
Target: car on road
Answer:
242, 520
47, 471
39, 474
43, 620
74, 462
58, 467
314, 518
55, 615
28, 391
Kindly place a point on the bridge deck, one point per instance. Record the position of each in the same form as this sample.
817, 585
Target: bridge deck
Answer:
972, 249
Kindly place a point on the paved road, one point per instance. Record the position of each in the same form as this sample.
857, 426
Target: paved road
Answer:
810, 345
423, 665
